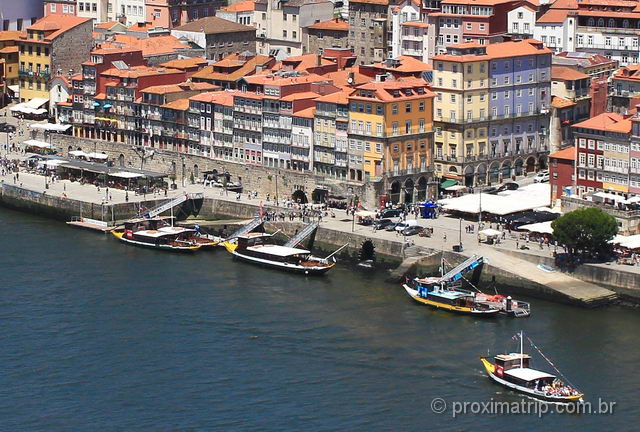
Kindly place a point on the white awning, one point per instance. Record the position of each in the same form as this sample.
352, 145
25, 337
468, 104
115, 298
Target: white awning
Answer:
14, 88
39, 144
507, 202
23, 108
610, 196
542, 227
51, 163
50, 126
94, 155
629, 242
36, 103
77, 153
125, 174
632, 200
455, 188
490, 232
365, 213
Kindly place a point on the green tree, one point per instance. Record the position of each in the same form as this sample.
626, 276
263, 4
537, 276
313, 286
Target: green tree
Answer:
585, 230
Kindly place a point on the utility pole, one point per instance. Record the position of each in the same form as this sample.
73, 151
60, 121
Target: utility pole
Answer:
277, 175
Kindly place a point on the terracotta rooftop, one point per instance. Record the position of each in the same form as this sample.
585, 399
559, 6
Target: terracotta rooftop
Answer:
9, 49
476, 2
500, 50
558, 102
299, 95
419, 24
407, 90
606, 122
340, 97
180, 104
177, 88
214, 25
553, 16
219, 98
247, 67
340, 78
243, 6
335, 24
139, 71
567, 154
306, 113
149, 46
185, 63
8, 35
407, 65
106, 25
565, 73
376, 2
57, 25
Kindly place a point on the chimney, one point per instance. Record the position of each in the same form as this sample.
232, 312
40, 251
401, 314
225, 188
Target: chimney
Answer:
318, 59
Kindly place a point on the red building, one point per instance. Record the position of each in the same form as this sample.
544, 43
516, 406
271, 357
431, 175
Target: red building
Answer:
174, 13
561, 171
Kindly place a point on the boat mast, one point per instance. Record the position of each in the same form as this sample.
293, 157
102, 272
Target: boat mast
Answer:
521, 349
171, 217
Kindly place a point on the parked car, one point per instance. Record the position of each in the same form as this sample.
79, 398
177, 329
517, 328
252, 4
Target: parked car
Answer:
402, 225
390, 213
541, 177
412, 230
382, 223
391, 227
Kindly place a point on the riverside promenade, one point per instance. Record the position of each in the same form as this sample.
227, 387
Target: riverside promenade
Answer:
522, 264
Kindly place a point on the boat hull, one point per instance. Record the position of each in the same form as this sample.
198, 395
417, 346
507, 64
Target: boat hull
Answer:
292, 268
490, 369
451, 308
120, 236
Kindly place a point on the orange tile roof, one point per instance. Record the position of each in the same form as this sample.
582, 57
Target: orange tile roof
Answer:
278, 80
68, 104
302, 62
623, 126
567, 154
185, 63
340, 97
149, 46
106, 25
407, 65
340, 78
553, 16
141, 27
57, 24
565, 73
384, 90
139, 71
247, 67
376, 2
219, 98
9, 49
102, 50
180, 105
500, 50
299, 95
558, 102
306, 113
476, 2
565, 4
8, 35
335, 24
419, 24
243, 6
601, 122
177, 88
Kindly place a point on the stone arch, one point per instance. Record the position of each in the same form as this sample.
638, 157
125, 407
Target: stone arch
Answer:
494, 173
542, 162
530, 166
300, 197
481, 174
173, 168
505, 170
121, 160
69, 150
319, 196
453, 169
394, 192
468, 176
409, 186
196, 171
421, 189
518, 167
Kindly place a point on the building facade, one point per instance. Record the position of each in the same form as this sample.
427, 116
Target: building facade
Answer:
332, 33
56, 44
369, 28
491, 111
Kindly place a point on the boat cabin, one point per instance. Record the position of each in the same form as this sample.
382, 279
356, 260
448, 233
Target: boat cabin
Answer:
147, 223
278, 253
253, 239
511, 361
530, 378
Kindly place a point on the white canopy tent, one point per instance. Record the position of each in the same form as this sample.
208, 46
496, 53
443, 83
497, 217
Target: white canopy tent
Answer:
629, 242
632, 200
608, 195
125, 174
50, 127
507, 202
39, 144
77, 153
51, 163
94, 155
455, 188
490, 232
542, 228
365, 213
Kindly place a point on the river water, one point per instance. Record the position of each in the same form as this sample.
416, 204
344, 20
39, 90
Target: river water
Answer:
106, 337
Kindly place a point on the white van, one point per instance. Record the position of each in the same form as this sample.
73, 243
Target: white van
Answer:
401, 226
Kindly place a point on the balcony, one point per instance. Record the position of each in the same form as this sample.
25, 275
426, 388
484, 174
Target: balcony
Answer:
412, 52
619, 47
32, 74
446, 158
605, 30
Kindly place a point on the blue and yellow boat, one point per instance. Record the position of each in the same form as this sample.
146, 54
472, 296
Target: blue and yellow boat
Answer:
434, 293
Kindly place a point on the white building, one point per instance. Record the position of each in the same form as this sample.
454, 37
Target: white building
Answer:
133, 10
241, 13
279, 24
556, 29
19, 14
521, 21
409, 34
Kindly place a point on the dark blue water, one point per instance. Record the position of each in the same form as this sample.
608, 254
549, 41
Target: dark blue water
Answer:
99, 336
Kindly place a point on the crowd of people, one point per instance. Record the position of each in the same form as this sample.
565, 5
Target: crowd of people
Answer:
558, 388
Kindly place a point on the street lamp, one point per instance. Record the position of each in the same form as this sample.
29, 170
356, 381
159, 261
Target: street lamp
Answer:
277, 175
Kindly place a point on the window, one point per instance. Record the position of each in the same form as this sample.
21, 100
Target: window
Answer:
407, 127
421, 106
407, 107
394, 109
284, 33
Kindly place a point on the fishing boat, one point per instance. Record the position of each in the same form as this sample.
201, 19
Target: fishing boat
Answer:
433, 292
157, 233
256, 247
513, 371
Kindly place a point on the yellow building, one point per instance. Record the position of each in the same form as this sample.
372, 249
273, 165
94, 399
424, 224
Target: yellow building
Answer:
8, 60
56, 44
461, 116
391, 122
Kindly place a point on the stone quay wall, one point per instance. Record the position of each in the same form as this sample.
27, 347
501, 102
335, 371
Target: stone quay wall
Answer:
254, 178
